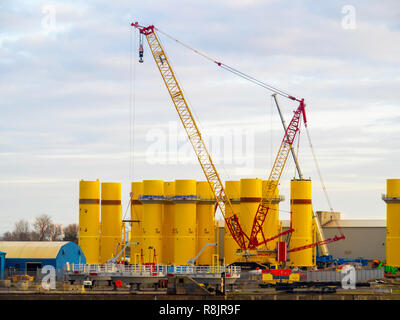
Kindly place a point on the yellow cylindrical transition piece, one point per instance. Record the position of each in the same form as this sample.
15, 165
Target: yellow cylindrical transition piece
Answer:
184, 221
111, 221
168, 223
232, 191
392, 200
302, 223
152, 200
250, 198
205, 223
136, 221
271, 223
89, 220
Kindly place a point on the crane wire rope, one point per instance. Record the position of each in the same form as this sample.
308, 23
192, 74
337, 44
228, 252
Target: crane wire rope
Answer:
261, 84
318, 170
298, 148
193, 109
132, 107
230, 69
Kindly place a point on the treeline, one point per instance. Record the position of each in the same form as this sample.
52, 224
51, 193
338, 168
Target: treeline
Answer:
43, 229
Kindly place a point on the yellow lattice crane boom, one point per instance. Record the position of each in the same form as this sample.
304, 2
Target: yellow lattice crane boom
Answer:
193, 133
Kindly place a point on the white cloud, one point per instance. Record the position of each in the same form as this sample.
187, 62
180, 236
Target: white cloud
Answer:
65, 97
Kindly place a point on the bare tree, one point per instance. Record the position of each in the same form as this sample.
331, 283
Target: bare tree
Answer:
71, 233
22, 231
34, 236
56, 232
43, 226
7, 236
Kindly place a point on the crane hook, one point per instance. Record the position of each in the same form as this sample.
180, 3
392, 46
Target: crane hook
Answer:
141, 48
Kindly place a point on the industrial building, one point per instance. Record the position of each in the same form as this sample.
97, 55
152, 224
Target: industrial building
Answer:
2, 264
364, 238
28, 256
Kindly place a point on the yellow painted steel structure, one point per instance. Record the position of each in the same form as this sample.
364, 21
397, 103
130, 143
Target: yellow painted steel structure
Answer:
250, 198
89, 220
232, 191
111, 220
271, 223
192, 131
168, 222
152, 200
302, 223
392, 199
184, 221
136, 234
205, 223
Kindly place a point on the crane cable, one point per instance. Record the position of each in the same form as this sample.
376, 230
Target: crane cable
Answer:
132, 98
231, 69
318, 170
261, 84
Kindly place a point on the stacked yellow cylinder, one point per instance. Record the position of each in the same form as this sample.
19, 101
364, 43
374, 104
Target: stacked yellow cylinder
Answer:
250, 198
271, 222
152, 200
392, 200
89, 220
111, 221
168, 223
302, 223
205, 222
232, 192
184, 221
136, 221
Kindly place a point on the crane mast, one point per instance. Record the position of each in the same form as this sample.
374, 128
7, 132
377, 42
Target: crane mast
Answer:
275, 175
193, 133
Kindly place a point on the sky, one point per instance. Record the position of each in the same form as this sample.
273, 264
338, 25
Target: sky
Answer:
76, 103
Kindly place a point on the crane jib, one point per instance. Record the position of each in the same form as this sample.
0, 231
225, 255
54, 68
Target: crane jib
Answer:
204, 157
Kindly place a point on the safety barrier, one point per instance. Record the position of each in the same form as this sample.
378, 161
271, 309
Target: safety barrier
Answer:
150, 269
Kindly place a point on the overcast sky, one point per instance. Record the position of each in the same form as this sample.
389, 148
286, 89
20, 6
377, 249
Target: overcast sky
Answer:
74, 107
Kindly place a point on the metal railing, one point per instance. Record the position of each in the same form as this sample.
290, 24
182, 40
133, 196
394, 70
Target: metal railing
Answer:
150, 269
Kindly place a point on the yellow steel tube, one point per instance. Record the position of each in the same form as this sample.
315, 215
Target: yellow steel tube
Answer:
184, 221
250, 198
232, 191
302, 223
89, 220
205, 222
153, 197
136, 218
271, 223
111, 220
393, 222
168, 222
